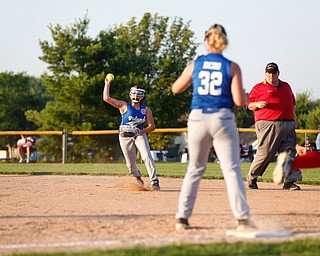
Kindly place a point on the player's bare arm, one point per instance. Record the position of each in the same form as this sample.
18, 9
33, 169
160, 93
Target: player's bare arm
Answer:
120, 104
184, 81
239, 96
150, 122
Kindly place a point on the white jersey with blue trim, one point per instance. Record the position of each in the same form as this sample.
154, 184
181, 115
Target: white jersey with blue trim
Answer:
212, 82
134, 116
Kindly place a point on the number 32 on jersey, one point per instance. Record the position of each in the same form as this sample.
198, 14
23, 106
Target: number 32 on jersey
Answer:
211, 82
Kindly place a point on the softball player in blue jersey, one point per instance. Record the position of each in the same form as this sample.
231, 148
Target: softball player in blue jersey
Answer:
217, 87
132, 132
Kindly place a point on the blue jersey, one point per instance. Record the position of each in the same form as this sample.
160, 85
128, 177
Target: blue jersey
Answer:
134, 116
211, 79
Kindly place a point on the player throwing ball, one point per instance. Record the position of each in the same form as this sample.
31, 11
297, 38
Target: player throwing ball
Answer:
217, 87
132, 132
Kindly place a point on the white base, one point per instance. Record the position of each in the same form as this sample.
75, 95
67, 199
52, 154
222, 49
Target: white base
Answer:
257, 233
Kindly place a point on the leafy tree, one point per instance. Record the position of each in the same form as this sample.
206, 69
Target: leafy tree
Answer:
305, 107
154, 54
244, 117
19, 93
307, 113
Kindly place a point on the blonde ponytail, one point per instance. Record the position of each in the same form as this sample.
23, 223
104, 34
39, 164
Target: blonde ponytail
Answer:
216, 37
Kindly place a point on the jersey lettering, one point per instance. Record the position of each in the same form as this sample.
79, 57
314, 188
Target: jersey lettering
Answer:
210, 82
211, 65
136, 120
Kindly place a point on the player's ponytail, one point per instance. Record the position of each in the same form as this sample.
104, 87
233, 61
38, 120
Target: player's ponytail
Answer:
216, 37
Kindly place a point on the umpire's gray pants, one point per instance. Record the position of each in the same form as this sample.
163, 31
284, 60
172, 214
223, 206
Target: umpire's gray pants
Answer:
128, 146
274, 137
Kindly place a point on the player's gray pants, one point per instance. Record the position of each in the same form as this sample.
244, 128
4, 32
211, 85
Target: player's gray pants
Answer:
218, 129
273, 137
128, 146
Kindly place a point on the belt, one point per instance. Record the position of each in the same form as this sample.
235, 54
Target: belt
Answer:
283, 120
211, 110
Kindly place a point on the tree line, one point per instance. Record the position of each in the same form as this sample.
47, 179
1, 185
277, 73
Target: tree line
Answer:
152, 52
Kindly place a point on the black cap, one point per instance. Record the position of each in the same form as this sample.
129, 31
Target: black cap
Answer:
272, 68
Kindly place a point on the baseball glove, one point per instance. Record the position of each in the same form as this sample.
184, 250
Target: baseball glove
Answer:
129, 131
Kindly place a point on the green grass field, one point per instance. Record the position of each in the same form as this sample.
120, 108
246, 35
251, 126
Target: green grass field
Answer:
168, 169
299, 247
310, 247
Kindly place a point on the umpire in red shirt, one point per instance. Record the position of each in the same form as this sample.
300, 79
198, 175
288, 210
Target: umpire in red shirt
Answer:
273, 104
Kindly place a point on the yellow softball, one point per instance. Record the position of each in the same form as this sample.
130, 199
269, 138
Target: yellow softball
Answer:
110, 77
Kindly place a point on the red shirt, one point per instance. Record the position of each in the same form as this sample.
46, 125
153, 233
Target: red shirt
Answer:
280, 98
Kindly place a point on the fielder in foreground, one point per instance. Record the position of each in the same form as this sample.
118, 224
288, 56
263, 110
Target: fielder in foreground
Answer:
217, 87
132, 132
287, 164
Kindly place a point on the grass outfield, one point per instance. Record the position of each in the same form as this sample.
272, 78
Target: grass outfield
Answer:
310, 247
299, 247
168, 169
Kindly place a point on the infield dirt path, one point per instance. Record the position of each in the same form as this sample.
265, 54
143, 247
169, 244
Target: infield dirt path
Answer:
64, 213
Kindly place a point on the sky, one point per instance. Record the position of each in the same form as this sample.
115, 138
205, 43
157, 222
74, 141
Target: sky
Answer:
283, 31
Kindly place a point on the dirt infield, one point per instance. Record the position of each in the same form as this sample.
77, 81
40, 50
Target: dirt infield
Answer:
64, 213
